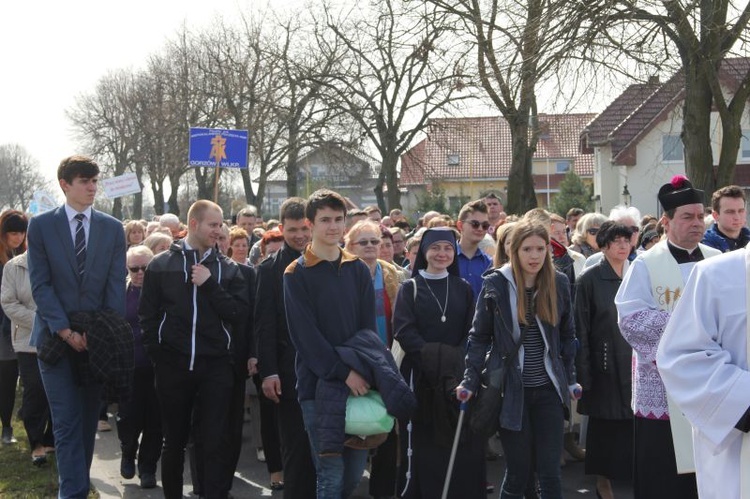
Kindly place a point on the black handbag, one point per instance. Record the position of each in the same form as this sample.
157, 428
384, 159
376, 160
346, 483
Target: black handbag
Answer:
488, 401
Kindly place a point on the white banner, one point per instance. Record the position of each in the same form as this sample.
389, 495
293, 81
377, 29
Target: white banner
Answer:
115, 187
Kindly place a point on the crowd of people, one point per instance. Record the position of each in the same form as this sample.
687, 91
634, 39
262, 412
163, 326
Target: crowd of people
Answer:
169, 321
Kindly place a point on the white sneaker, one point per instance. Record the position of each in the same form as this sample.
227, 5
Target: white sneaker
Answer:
260, 455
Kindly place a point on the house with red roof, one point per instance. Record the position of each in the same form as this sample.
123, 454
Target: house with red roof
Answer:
469, 156
636, 142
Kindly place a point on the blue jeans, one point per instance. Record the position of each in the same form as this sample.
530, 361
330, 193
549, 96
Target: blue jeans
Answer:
540, 441
338, 476
75, 412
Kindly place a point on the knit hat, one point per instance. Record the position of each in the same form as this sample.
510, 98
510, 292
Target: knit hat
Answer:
679, 192
430, 237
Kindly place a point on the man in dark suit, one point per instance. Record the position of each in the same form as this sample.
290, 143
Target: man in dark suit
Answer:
276, 353
76, 261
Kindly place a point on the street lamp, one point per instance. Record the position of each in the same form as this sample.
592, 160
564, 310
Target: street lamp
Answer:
626, 195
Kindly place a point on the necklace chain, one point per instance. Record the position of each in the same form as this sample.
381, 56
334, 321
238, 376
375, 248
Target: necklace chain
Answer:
442, 308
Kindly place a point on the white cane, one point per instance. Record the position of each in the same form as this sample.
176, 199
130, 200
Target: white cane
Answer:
462, 396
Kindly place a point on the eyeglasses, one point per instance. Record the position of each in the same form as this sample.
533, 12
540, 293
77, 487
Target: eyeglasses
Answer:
593, 231
365, 242
475, 224
136, 269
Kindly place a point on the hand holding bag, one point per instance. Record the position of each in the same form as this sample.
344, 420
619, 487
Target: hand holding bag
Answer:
366, 415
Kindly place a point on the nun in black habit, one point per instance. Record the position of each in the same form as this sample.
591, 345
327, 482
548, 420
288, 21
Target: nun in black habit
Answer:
431, 321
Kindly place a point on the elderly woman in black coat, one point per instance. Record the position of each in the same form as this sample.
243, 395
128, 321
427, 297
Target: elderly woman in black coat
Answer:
603, 362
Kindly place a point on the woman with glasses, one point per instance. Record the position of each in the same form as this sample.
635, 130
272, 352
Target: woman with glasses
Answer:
603, 363
138, 418
365, 240
627, 216
584, 238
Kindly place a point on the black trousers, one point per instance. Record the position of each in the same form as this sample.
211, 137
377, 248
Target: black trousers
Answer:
138, 417
269, 430
384, 470
209, 386
299, 470
8, 383
37, 419
231, 444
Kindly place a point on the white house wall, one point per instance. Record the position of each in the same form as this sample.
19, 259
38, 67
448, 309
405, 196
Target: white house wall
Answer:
606, 180
650, 172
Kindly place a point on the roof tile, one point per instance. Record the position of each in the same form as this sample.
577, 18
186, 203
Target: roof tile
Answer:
484, 148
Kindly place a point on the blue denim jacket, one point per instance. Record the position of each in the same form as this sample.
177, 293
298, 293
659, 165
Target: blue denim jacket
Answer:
495, 329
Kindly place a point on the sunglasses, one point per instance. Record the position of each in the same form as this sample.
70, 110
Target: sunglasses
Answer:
476, 224
365, 242
593, 231
136, 269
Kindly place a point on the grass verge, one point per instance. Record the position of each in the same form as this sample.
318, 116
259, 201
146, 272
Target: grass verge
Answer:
19, 479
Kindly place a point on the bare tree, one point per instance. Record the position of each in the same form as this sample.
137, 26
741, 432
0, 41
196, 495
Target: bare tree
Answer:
518, 45
20, 177
162, 138
104, 123
699, 36
246, 80
395, 67
309, 118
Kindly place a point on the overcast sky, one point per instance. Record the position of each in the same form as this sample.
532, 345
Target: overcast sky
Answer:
54, 51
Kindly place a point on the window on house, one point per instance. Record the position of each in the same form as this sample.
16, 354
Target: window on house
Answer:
454, 159
562, 167
745, 145
672, 148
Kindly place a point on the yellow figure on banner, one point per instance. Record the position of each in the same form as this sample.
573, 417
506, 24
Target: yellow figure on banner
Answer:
218, 148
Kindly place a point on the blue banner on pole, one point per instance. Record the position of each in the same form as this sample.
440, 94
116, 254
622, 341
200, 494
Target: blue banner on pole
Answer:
217, 146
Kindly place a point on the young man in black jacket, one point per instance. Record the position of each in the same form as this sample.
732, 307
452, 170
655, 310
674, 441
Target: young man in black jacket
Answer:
276, 353
192, 299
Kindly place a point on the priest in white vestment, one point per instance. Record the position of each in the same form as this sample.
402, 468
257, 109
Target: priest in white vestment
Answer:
647, 296
703, 361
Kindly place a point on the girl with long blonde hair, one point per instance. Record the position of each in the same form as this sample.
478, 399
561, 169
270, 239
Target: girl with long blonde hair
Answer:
524, 317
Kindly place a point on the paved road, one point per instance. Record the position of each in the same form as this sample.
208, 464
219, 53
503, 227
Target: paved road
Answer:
251, 479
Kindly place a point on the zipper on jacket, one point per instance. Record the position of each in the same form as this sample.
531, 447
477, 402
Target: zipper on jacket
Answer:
221, 322
163, 320
548, 362
195, 318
